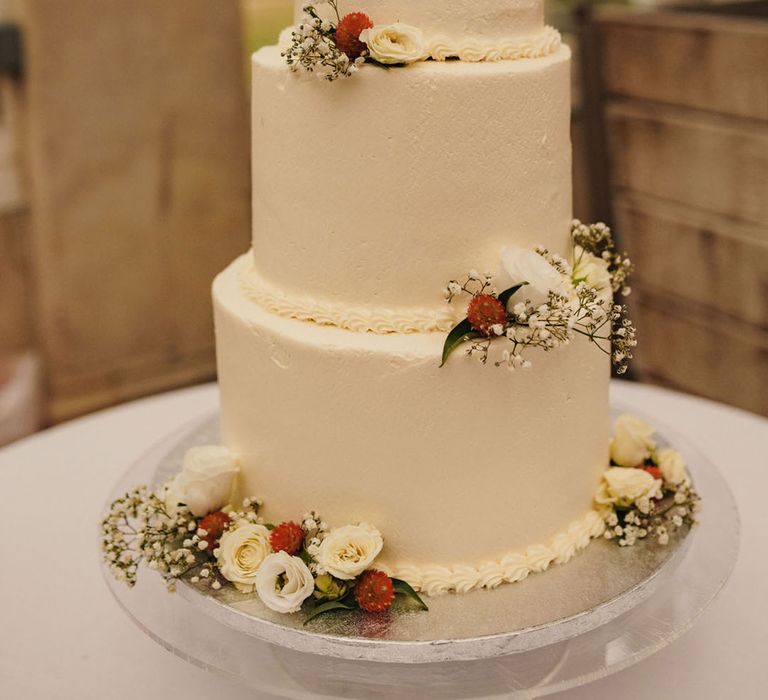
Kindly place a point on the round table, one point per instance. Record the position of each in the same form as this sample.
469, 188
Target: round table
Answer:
62, 635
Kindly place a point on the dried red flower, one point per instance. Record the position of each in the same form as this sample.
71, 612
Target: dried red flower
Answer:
348, 34
214, 525
375, 591
287, 537
485, 311
655, 472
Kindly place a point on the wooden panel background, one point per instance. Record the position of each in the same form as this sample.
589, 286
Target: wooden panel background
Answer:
140, 189
16, 288
685, 102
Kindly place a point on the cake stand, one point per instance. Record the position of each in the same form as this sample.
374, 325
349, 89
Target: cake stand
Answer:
607, 609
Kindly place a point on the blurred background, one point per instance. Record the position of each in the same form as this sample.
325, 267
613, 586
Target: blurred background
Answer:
125, 187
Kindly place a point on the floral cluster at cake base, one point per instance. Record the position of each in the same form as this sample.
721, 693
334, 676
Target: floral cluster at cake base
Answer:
189, 527
538, 299
647, 492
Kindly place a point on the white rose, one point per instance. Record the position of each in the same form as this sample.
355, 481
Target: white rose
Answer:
205, 482
625, 485
632, 442
672, 467
593, 271
284, 583
394, 43
348, 551
241, 553
519, 265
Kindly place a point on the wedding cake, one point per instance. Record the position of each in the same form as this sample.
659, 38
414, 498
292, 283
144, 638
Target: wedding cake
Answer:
414, 356
374, 190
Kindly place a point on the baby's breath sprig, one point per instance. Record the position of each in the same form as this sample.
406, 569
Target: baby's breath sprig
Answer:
580, 307
473, 284
655, 519
313, 47
139, 528
315, 531
597, 239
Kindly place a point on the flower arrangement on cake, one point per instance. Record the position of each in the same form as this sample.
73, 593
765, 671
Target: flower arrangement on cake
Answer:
188, 529
336, 47
647, 492
189, 525
547, 300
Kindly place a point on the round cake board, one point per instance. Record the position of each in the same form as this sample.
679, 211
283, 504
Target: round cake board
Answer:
549, 631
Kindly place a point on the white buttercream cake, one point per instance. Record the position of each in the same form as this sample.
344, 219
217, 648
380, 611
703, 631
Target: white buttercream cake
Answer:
369, 195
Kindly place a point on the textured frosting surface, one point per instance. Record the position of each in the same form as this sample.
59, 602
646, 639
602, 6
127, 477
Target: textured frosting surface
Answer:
483, 19
377, 190
461, 465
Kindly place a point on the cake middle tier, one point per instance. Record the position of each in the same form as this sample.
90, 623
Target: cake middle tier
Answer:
376, 190
457, 466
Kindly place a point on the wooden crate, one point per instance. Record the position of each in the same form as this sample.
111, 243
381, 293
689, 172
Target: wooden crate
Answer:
684, 100
139, 161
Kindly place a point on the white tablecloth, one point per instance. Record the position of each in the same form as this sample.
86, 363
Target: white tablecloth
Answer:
62, 635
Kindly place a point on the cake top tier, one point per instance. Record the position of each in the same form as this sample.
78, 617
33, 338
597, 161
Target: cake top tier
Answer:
481, 19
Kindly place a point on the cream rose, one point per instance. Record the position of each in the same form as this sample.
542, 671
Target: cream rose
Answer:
284, 583
241, 553
632, 442
594, 271
521, 265
392, 44
205, 482
672, 467
626, 485
348, 551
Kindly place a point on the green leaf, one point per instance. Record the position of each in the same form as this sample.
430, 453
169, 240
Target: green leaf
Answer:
507, 294
404, 588
460, 334
328, 607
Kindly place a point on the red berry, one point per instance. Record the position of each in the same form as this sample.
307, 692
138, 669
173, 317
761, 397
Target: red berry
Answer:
287, 537
214, 525
348, 34
485, 311
655, 472
374, 591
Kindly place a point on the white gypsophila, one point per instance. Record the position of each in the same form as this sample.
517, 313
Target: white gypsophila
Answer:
632, 441
205, 482
594, 271
348, 551
241, 553
625, 486
521, 265
392, 44
284, 583
672, 467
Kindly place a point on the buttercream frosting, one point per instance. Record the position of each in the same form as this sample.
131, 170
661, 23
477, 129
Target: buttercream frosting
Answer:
359, 318
366, 193
513, 567
479, 19
474, 50
455, 465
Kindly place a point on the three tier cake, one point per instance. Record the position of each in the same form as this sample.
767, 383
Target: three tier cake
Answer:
369, 194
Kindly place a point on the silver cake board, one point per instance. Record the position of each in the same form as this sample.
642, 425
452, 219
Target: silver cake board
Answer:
581, 599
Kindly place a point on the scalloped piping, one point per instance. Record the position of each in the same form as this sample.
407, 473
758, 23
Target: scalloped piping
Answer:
544, 43
361, 319
462, 578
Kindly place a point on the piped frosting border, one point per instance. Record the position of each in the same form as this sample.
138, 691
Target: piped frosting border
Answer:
361, 319
513, 567
473, 50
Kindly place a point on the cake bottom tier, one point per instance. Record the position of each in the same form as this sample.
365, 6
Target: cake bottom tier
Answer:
474, 475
